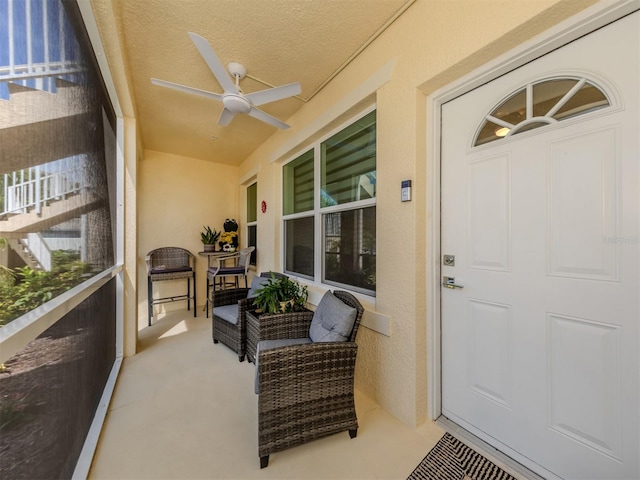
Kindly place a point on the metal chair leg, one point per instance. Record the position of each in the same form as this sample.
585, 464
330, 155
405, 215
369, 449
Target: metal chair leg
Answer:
150, 298
188, 294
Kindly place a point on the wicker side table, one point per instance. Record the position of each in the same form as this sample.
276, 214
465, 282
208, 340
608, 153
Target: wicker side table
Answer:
272, 326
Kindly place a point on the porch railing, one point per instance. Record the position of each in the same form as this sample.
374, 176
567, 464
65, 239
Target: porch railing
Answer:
32, 188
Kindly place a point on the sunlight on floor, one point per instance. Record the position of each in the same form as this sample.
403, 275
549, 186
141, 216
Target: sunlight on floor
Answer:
177, 330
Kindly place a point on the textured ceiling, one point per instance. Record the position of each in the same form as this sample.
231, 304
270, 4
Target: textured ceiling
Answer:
278, 42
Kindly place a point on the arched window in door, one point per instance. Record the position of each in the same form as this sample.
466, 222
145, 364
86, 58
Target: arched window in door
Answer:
542, 103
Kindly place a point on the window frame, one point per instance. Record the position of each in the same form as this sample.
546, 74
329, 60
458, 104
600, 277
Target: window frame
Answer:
252, 224
319, 212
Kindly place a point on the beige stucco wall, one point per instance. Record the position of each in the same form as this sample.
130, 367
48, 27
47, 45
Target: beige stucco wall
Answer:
433, 43
176, 197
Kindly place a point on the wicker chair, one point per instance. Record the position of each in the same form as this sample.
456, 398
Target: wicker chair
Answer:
221, 272
170, 263
305, 388
228, 324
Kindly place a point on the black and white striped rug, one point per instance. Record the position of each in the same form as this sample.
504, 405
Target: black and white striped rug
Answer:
451, 459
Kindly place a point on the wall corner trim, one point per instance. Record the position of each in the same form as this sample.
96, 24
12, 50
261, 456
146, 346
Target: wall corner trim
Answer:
249, 176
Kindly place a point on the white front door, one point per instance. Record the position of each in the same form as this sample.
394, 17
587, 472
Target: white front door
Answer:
540, 348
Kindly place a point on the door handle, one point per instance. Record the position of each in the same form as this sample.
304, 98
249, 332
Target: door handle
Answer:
450, 282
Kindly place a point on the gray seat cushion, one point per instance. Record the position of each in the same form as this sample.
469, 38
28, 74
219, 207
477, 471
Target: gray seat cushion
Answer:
332, 321
228, 313
268, 345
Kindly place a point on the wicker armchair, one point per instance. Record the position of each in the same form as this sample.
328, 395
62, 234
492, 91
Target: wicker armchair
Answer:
170, 263
228, 315
305, 388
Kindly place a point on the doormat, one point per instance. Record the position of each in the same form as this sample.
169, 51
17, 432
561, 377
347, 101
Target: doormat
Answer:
451, 459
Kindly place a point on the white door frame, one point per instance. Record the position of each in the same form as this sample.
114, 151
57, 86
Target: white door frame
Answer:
577, 26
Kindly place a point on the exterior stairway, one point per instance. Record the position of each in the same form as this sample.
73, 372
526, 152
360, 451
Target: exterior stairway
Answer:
22, 249
18, 225
39, 198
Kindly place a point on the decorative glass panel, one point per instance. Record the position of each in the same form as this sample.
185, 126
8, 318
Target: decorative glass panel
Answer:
587, 99
540, 104
547, 94
348, 163
298, 184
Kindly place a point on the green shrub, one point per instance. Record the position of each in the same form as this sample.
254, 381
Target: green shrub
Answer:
23, 289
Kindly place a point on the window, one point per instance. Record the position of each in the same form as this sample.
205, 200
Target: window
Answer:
331, 190
538, 104
252, 220
298, 184
298, 208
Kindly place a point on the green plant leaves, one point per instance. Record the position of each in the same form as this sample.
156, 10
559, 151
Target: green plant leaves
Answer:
281, 295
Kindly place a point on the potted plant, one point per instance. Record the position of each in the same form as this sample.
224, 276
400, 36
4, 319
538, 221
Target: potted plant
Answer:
209, 238
279, 305
281, 295
229, 241
229, 237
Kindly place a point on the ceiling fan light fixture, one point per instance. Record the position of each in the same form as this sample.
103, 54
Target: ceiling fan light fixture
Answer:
236, 103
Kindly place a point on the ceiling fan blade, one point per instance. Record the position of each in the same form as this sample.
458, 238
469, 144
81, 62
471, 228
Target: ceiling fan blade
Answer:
214, 63
183, 88
273, 94
265, 117
225, 117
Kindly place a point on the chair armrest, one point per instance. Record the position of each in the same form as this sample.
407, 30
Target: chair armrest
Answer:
221, 259
285, 325
325, 369
229, 296
244, 305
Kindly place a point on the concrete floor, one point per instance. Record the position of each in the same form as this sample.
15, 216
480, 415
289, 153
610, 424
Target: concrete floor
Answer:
184, 408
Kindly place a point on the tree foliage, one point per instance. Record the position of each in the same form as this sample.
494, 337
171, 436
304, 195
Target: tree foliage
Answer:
23, 289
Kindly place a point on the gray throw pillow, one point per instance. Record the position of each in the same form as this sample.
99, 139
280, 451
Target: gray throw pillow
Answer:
332, 321
256, 284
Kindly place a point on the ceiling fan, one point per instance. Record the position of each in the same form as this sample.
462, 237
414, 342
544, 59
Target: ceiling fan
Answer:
233, 99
